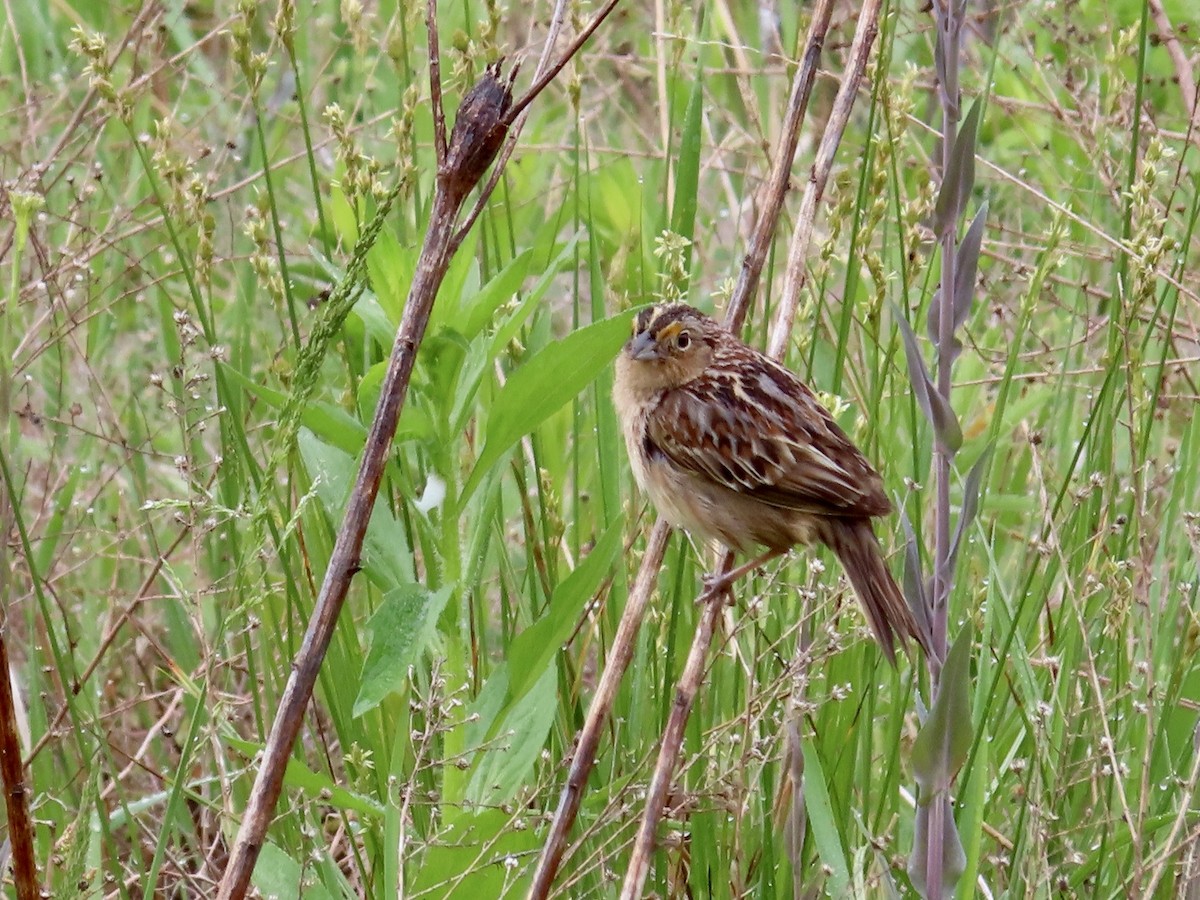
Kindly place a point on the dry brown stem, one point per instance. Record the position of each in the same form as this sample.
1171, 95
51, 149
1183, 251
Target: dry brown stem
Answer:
481, 127
748, 279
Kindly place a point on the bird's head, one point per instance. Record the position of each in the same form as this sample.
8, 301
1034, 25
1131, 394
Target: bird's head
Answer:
671, 345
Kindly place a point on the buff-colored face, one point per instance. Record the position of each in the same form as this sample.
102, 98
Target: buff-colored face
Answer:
670, 345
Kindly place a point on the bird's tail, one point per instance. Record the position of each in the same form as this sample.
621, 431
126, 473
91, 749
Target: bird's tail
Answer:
854, 543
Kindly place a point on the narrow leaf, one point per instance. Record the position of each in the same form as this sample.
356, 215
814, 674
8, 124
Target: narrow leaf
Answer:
914, 582
973, 802
968, 265
933, 326
936, 407
534, 649
959, 178
543, 385
400, 629
945, 739
331, 423
970, 505
315, 785
939, 55
825, 832
479, 310
687, 168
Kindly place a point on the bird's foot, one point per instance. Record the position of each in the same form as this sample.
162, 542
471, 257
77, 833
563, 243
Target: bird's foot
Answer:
718, 584
716, 588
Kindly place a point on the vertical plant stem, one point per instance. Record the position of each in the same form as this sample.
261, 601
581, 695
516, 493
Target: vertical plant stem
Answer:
692, 676
12, 769
948, 22
343, 562
16, 799
949, 245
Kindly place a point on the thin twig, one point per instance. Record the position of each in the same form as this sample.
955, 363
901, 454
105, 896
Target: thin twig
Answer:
16, 788
545, 73
781, 172
672, 740
584, 757
689, 684
435, 83
795, 275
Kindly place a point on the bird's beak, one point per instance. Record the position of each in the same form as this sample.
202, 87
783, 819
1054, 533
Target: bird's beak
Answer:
643, 347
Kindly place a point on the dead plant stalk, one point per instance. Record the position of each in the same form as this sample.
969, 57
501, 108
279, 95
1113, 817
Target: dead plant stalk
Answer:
483, 128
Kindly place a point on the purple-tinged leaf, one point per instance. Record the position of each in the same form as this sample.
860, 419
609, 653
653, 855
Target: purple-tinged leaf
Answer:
970, 505
939, 62
914, 581
959, 177
933, 325
937, 408
967, 265
954, 858
945, 739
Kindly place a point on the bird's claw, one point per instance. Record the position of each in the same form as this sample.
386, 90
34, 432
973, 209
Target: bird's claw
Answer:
716, 585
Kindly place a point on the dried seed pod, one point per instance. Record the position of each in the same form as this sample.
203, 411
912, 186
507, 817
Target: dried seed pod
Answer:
479, 129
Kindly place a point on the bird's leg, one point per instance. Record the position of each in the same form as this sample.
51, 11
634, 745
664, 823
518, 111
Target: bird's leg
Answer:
715, 585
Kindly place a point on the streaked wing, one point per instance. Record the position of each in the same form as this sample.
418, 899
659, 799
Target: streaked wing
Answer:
756, 428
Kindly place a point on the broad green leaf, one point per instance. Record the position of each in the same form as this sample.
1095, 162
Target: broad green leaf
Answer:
945, 738
825, 833
328, 422
534, 649
399, 630
471, 857
279, 877
379, 326
461, 279
487, 706
506, 762
316, 785
385, 555
390, 270
414, 421
543, 385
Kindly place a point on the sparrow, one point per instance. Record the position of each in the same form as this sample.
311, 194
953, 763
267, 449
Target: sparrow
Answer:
733, 447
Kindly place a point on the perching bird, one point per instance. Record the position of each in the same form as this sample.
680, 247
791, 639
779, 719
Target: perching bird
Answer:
732, 446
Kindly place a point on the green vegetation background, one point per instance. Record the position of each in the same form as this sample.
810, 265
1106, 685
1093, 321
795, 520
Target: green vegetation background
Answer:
183, 183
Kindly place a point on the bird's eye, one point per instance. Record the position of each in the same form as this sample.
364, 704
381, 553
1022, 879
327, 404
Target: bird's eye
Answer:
683, 341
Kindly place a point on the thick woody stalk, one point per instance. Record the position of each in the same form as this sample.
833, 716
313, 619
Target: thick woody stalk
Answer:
479, 130
484, 128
